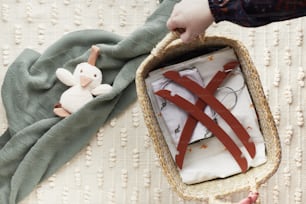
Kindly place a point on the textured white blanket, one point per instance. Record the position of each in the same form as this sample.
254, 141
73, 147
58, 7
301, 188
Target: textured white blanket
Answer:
119, 165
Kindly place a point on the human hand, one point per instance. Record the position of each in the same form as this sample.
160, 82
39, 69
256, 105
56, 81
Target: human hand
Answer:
190, 18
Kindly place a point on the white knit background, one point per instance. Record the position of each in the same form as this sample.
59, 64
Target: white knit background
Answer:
119, 165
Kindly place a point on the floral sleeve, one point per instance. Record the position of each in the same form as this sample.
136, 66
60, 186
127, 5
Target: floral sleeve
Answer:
252, 13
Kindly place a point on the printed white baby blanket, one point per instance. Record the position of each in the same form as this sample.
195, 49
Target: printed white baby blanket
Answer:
206, 157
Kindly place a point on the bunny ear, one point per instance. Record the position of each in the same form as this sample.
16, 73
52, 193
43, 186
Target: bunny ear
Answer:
93, 55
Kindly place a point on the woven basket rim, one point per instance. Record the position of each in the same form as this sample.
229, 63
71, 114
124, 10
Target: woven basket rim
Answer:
216, 188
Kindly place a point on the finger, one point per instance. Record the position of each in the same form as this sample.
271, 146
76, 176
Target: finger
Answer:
172, 24
187, 36
176, 10
176, 22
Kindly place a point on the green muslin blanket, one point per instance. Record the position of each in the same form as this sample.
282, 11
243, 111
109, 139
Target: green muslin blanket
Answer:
37, 143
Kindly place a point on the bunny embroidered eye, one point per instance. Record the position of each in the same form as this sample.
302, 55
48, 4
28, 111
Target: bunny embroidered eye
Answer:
81, 71
95, 75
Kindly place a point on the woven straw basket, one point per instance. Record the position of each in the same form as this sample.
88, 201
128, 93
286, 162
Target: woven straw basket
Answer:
210, 191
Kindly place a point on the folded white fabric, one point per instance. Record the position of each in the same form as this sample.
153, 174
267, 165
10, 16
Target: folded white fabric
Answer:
173, 116
208, 159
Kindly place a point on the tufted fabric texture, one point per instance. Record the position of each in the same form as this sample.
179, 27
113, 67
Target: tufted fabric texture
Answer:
119, 165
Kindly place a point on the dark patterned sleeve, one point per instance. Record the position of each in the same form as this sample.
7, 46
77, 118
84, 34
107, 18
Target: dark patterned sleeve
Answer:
253, 13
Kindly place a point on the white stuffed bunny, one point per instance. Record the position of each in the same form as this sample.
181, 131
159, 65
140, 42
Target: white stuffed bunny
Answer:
85, 83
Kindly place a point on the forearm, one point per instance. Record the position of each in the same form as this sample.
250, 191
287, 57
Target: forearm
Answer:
254, 13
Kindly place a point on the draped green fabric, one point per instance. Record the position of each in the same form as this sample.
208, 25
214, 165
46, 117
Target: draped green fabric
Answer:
37, 143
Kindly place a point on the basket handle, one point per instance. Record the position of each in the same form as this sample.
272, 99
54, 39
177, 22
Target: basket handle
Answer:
164, 43
252, 198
